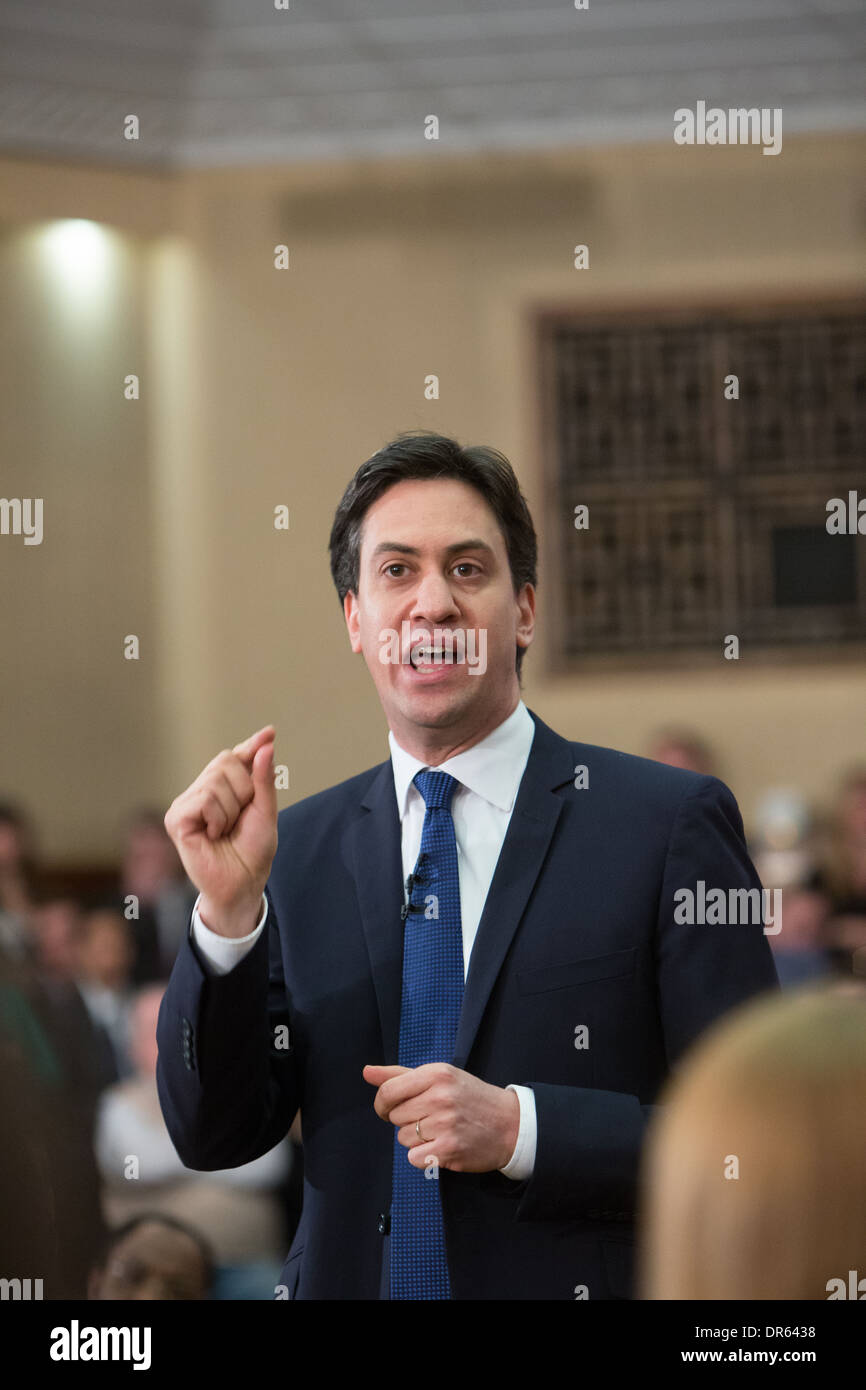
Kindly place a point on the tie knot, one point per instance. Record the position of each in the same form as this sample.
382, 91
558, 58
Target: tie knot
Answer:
437, 788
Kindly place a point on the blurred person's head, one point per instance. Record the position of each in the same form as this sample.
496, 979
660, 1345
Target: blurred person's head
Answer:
149, 860
56, 929
845, 858
18, 867
153, 1257
752, 1177
105, 948
782, 839
143, 1015
682, 748
782, 819
804, 919
16, 837
852, 804
455, 524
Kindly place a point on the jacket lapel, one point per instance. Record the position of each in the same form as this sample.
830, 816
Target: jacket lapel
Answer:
375, 854
530, 830
376, 857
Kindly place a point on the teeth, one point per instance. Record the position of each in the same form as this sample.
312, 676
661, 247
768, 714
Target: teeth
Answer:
428, 655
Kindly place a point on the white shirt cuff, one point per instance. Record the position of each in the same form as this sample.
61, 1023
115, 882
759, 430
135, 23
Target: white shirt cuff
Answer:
522, 1161
222, 953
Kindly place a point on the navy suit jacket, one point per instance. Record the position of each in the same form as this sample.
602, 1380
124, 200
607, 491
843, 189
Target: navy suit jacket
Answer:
578, 929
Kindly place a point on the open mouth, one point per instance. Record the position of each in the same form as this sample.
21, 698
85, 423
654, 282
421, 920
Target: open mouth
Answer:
422, 657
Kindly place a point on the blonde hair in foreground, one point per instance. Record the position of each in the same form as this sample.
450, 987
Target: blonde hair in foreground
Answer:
776, 1092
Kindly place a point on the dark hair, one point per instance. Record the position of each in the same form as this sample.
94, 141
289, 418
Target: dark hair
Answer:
13, 814
425, 455
113, 1238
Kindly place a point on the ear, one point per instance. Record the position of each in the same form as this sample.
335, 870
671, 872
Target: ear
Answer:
526, 615
353, 620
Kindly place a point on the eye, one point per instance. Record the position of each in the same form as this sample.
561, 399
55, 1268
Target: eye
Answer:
467, 565
395, 566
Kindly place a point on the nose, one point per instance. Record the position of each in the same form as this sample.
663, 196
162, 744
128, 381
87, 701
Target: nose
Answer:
434, 599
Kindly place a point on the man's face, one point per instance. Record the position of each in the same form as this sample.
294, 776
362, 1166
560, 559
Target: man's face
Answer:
433, 558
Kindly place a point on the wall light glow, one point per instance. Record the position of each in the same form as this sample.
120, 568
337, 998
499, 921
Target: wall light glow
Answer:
79, 256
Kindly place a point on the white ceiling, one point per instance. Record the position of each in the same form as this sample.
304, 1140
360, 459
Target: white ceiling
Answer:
237, 81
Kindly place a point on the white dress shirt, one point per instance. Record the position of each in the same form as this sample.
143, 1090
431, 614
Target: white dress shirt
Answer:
489, 775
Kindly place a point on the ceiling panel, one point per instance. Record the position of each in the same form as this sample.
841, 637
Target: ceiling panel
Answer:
237, 81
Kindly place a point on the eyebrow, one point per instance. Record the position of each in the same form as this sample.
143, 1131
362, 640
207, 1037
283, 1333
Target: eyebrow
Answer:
472, 544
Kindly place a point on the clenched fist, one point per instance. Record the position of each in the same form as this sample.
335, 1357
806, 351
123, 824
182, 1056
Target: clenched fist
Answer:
224, 827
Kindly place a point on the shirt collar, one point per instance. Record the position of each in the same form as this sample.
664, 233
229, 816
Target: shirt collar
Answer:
492, 768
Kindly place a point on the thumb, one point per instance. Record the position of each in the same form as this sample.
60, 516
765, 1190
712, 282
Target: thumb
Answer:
265, 793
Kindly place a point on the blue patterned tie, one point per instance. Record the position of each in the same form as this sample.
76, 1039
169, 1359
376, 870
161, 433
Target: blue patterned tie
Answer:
429, 1014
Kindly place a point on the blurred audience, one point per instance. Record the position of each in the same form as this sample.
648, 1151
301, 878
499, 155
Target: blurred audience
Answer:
103, 976
51, 1081
156, 896
682, 748
841, 875
79, 1039
782, 839
752, 1176
18, 879
32, 1206
239, 1210
784, 850
152, 1257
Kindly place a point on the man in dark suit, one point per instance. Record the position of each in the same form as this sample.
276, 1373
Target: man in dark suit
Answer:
475, 1056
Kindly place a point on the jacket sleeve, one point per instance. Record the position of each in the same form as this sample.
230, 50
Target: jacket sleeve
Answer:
227, 1072
589, 1141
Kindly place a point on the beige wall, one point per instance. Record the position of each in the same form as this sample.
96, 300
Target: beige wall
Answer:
262, 387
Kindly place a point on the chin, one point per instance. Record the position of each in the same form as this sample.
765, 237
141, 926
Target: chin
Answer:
432, 710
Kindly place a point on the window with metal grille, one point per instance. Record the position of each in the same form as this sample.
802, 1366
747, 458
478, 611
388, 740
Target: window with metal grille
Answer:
707, 513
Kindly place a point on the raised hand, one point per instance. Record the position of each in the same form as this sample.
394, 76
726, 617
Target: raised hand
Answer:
224, 827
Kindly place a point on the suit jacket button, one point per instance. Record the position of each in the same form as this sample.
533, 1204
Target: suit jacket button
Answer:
384, 1223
